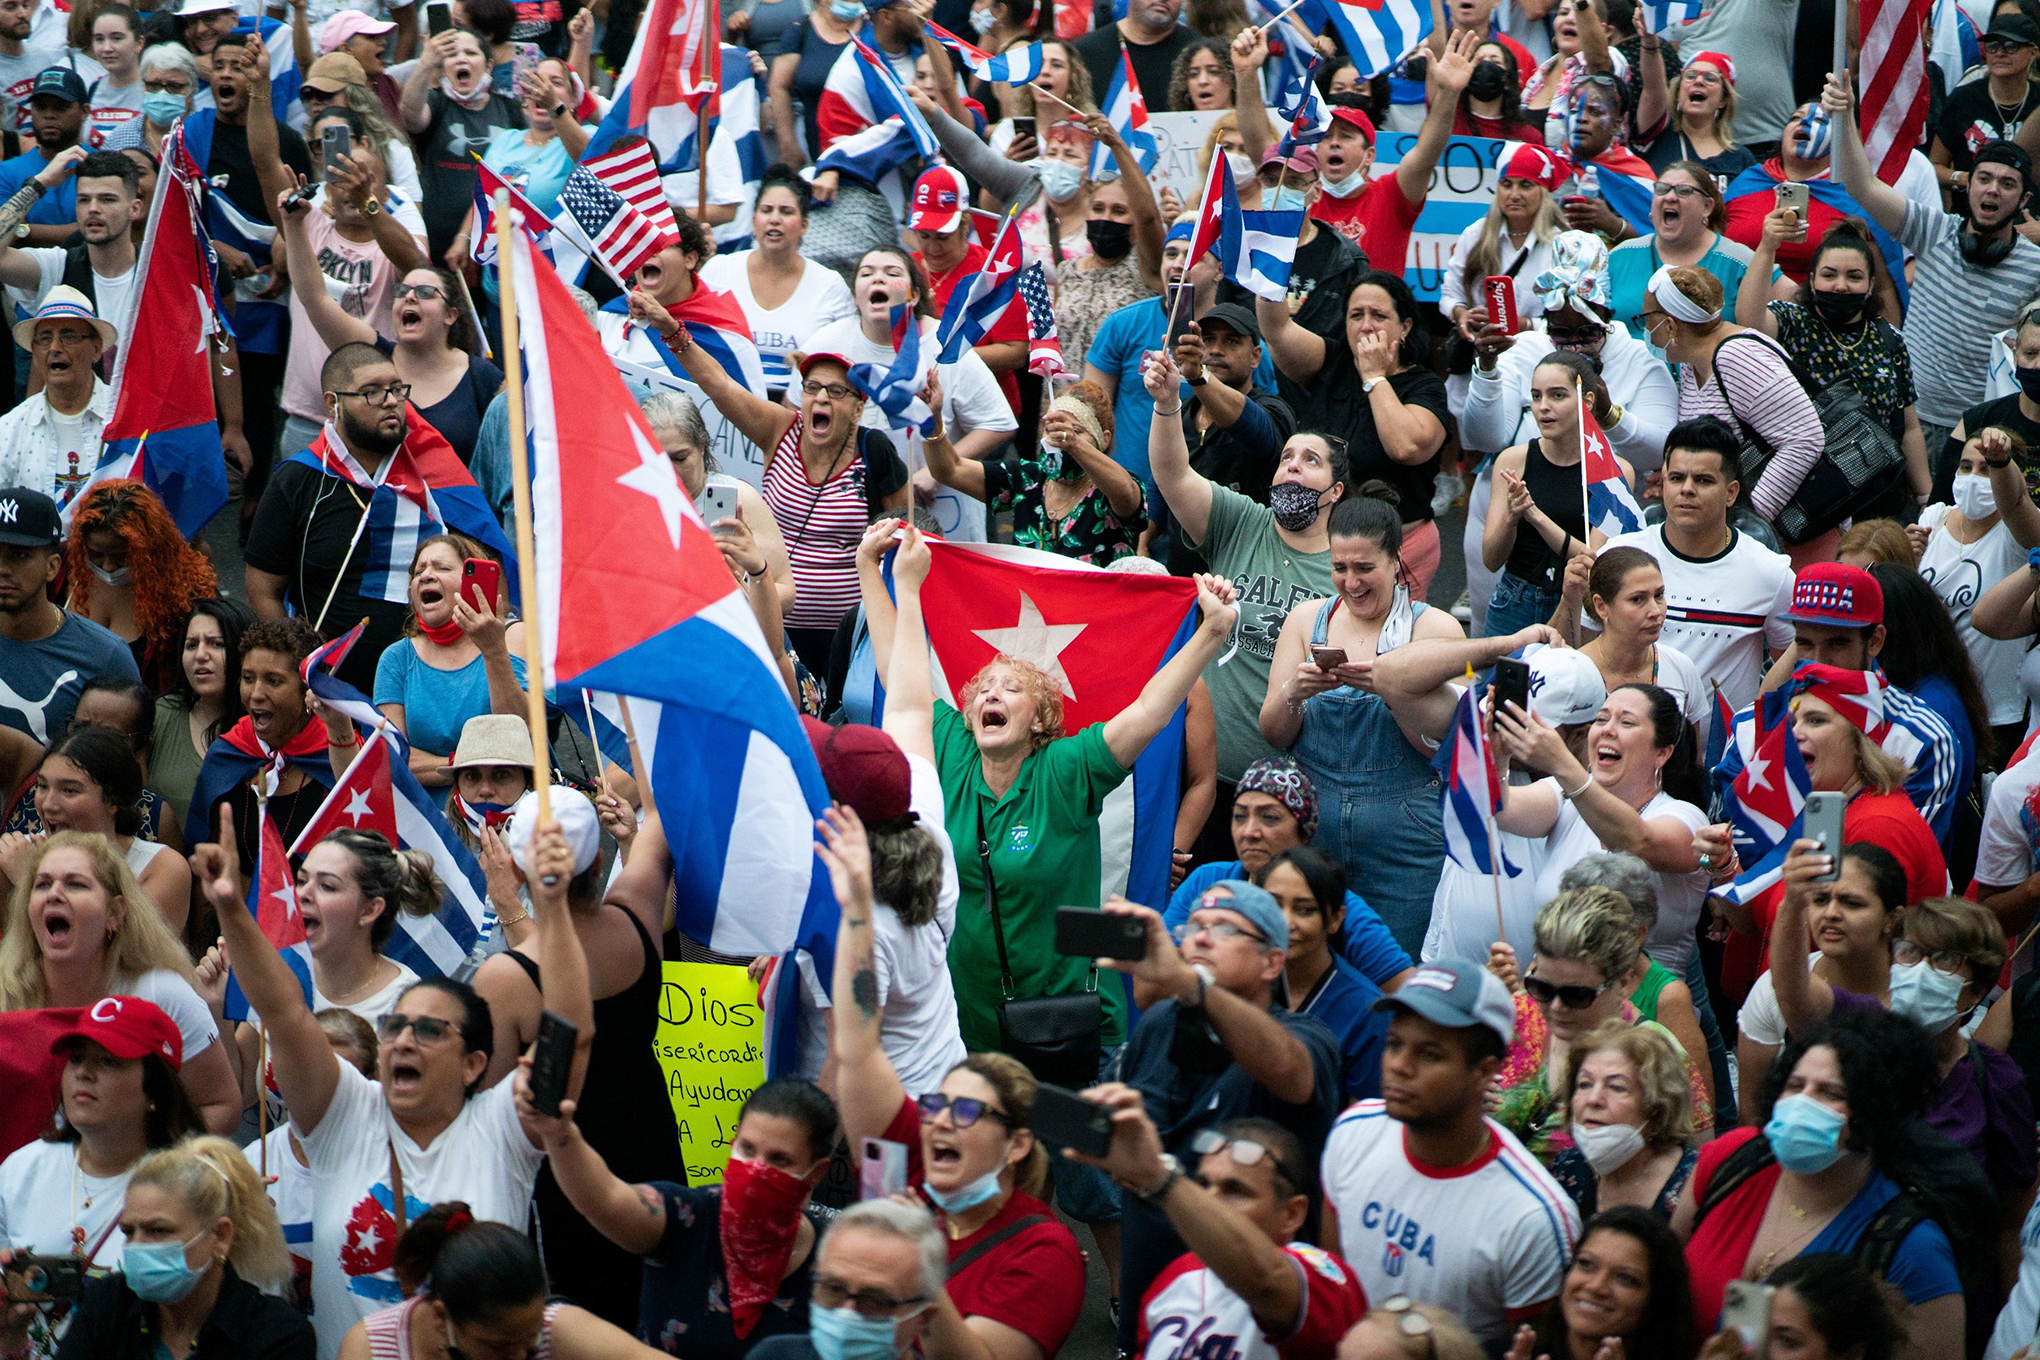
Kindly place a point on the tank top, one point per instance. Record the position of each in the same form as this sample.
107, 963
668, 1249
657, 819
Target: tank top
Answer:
822, 526
1645, 997
1557, 492
389, 1331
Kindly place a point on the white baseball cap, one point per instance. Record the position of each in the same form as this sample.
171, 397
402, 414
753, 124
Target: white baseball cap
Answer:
1565, 685
576, 817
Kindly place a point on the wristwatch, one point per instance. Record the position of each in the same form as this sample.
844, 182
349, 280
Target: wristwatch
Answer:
21, 232
1367, 387
1197, 381
39, 187
1157, 1193
1615, 413
371, 207
1205, 980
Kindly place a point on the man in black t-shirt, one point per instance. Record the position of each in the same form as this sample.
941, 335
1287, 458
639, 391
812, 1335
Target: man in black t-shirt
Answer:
1327, 264
1152, 35
1994, 108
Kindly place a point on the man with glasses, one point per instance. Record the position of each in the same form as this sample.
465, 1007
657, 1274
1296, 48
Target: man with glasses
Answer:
1430, 1198
1216, 1044
50, 442
1246, 1288
879, 1276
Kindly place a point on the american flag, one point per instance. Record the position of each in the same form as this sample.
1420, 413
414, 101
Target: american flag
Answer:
1044, 351
1893, 82
622, 237
629, 169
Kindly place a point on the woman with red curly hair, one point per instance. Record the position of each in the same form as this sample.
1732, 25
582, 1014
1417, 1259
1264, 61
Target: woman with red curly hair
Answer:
132, 572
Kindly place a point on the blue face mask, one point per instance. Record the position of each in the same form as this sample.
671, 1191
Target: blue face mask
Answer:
1923, 993
846, 12
968, 1197
163, 108
846, 1334
1283, 198
158, 1272
1805, 1135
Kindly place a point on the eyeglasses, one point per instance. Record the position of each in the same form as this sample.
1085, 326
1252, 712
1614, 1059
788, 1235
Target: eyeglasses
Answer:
427, 1029
871, 1303
1218, 930
1573, 996
1906, 953
394, 395
2001, 45
1700, 77
1575, 335
164, 87
65, 336
963, 1110
1243, 1151
1682, 192
1411, 1323
428, 291
834, 391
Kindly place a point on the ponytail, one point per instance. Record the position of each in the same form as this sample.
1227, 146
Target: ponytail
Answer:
403, 879
214, 1180
477, 1270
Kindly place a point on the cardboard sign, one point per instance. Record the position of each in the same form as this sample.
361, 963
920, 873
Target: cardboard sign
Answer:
711, 1046
731, 452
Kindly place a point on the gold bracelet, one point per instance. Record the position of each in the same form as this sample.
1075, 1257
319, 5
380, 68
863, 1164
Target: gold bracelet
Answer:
513, 920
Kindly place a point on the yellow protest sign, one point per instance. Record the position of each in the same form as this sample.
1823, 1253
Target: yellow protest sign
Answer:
711, 1045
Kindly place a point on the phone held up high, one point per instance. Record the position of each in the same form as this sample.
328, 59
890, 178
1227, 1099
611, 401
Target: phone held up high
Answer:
1746, 1311
1512, 683
881, 1168
552, 1058
1824, 814
438, 17
1500, 292
480, 582
1062, 1118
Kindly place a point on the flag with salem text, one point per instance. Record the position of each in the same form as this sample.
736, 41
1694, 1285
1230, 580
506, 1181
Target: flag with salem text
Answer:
1101, 636
637, 604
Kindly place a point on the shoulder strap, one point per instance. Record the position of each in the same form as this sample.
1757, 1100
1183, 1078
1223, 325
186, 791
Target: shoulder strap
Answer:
1013, 1229
992, 897
1887, 1231
1737, 1167
397, 1190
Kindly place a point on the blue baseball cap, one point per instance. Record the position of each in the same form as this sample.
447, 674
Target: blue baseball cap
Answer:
1251, 902
1458, 994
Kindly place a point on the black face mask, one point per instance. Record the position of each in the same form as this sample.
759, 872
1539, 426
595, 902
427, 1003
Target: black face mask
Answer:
2029, 383
1839, 308
1488, 81
1109, 240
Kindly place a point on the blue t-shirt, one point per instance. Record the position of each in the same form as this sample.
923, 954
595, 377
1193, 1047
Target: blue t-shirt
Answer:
1631, 264
436, 703
538, 172
1923, 1269
40, 681
1344, 1001
1370, 948
58, 206
1116, 350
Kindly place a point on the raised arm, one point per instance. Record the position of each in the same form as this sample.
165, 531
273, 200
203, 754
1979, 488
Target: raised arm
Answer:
412, 104
1299, 354
1804, 1000
353, 180
1885, 204
880, 615
1752, 298
1008, 181
1249, 54
1128, 731
910, 692
631, 1216
307, 1070
562, 964
2006, 610
2008, 487
945, 464
16, 269
1450, 70
1148, 228
762, 422
868, 1090
1416, 677
328, 317
1654, 99
1187, 491
265, 145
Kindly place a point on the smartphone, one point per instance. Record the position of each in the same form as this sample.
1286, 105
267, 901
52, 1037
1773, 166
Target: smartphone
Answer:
1099, 934
481, 581
881, 1168
1746, 1311
1574, 201
552, 1056
1511, 683
1328, 658
717, 502
1500, 292
1062, 1118
44, 1279
1823, 823
335, 140
1022, 127
1792, 194
438, 17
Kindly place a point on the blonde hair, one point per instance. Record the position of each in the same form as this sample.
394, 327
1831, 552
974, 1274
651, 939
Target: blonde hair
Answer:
1047, 696
1955, 923
1662, 1085
1594, 925
1883, 539
1077, 90
138, 941
1486, 256
1724, 117
1229, 121
1879, 769
214, 1180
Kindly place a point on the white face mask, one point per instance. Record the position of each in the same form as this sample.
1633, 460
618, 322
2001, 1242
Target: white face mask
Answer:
1344, 188
1607, 1146
1925, 995
124, 575
1974, 498
1059, 179
1242, 167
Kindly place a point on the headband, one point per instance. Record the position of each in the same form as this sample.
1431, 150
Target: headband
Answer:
1179, 232
1676, 304
1857, 696
1282, 779
1083, 414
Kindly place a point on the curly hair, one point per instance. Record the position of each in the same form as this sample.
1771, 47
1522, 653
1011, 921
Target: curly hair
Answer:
1889, 1068
1040, 687
1666, 1330
166, 573
292, 637
1179, 71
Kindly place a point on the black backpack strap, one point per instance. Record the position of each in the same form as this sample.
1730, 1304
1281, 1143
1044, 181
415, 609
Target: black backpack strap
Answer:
1889, 1227
1013, 1229
1737, 1167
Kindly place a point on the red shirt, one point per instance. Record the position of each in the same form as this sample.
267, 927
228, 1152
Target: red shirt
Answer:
1011, 326
1188, 1310
1033, 1281
1465, 124
1378, 219
1746, 224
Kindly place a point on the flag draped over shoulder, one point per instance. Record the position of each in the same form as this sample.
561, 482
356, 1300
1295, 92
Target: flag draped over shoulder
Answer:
236, 757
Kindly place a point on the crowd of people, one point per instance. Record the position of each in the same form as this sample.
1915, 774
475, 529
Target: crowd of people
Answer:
1387, 1068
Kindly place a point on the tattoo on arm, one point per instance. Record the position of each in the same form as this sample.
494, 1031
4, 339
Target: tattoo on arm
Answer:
654, 1202
864, 990
15, 211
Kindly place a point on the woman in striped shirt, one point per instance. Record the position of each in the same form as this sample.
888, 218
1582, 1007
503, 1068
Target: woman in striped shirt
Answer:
818, 482
1750, 384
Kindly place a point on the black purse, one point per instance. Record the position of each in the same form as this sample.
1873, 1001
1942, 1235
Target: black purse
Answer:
1057, 1038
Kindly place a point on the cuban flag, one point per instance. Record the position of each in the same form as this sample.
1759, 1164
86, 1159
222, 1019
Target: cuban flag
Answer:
482, 229
237, 756
379, 793
666, 79
1128, 113
716, 322
896, 388
1260, 251
1765, 804
318, 671
1472, 791
1833, 198
1101, 635
1376, 35
636, 601
869, 127
421, 490
1218, 211
260, 325
1014, 67
1298, 104
1623, 180
163, 431
1718, 730
272, 901
980, 301
1660, 15
1956, 44
1610, 506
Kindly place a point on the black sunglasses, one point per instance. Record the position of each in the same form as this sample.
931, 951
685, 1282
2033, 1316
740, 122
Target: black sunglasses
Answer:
965, 1110
429, 1029
1573, 996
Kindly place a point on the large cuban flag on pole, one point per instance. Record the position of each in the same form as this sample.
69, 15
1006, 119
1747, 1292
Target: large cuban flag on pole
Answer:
639, 603
666, 79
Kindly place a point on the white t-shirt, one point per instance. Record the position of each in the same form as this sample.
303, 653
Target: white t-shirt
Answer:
2015, 1324
1722, 610
1759, 1020
820, 297
483, 1158
1463, 904
44, 1195
1679, 895
1481, 1241
1678, 676
1959, 574
116, 116
46, 45
178, 1001
2011, 819
141, 854
376, 1005
290, 1190
971, 400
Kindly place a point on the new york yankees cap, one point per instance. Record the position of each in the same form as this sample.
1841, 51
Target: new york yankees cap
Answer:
28, 519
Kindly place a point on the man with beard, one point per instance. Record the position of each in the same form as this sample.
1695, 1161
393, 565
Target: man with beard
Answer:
303, 547
1970, 280
102, 268
57, 107
51, 440
25, 53
46, 653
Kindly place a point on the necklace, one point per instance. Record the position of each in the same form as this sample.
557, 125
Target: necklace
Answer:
1799, 1240
78, 1211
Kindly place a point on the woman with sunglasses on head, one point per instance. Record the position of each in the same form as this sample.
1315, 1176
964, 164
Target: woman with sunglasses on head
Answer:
970, 1153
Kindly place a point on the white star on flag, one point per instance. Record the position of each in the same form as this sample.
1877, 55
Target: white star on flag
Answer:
1035, 640
1755, 769
655, 477
288, 896
357, 806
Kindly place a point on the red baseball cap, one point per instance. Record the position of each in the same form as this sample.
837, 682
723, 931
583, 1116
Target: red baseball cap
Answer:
1718, 60
1836, 595
808, 361
1346, 113
941, 199
863, 767
127, 1027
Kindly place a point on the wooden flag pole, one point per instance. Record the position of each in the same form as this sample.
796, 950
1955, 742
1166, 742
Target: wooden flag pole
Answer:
1066, 103
520, 487
1263, 28
1494, 848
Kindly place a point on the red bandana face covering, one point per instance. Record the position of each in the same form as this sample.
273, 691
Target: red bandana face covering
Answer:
445, 634
759, 1223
